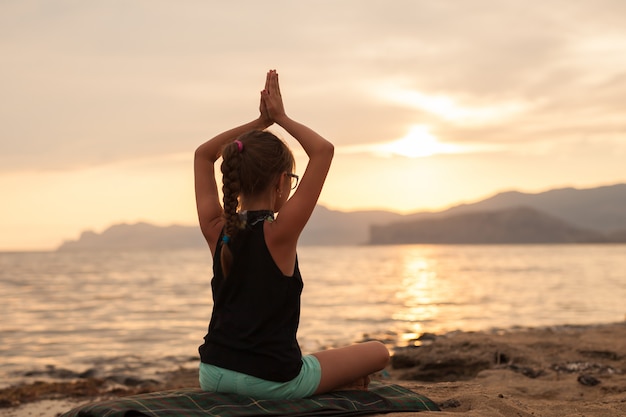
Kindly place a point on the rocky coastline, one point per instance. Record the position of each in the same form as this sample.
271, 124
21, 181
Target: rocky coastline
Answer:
552, 371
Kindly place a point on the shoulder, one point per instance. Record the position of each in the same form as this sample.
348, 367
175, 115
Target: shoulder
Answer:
282, 247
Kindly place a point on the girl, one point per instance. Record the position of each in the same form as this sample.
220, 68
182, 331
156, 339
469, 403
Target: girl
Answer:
251, 345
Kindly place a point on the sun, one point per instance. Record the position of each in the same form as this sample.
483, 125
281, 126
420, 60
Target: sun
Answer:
418, 143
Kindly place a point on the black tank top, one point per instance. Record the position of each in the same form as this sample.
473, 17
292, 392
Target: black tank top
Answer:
256, 310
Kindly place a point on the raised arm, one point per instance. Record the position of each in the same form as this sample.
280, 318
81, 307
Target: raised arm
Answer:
297, 210
207, 197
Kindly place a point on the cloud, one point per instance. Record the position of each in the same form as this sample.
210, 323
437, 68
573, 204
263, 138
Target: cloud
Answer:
92, 82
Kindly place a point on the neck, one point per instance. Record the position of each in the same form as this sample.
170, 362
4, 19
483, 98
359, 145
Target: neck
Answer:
262, 202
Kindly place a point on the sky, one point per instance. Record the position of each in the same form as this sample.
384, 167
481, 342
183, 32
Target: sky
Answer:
428, 103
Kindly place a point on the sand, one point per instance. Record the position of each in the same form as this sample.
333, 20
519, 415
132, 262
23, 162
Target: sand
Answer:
558, 371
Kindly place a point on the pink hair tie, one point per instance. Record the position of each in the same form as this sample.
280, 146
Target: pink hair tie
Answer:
239, 145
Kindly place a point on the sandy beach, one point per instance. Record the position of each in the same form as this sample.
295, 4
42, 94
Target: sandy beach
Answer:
555, 371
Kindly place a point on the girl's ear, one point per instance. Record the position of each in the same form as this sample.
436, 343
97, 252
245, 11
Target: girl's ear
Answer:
281, 181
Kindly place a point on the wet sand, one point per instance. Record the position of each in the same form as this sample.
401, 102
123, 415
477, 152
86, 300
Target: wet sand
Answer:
556, 371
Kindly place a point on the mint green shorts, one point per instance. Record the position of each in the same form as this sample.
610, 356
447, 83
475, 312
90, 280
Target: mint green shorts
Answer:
216, 379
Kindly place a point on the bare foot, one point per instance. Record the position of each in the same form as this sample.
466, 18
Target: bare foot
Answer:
360, 384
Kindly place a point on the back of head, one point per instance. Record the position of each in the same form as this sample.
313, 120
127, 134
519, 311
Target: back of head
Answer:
250, 166
255, 163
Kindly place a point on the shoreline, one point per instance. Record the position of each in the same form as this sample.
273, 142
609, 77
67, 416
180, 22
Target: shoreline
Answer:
548, 371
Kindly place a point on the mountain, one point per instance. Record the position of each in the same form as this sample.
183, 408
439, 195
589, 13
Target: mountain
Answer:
137, 236
595, 210
589, 215
326, 227
332, 227
602, 208
506, 226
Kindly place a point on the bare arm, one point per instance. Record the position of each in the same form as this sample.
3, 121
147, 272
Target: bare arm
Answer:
320, 152
298, 209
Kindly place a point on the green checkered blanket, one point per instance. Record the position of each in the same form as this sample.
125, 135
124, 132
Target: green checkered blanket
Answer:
381, 398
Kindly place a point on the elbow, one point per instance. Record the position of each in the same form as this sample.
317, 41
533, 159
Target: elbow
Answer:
328, 150
204, 154
323, 150
197, 158
200, 152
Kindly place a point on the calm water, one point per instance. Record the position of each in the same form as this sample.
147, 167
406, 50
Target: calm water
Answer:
150, 310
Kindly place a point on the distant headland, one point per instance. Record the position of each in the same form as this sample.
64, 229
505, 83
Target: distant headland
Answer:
566, 215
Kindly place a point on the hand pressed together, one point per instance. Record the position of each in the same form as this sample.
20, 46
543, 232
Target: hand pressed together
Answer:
271, 100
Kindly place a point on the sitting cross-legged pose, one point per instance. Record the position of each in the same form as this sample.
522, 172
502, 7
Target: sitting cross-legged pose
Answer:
251, 345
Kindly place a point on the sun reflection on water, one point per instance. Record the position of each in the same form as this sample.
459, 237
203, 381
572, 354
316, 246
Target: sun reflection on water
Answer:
417, 294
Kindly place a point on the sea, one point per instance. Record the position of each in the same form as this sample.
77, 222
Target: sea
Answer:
144, 312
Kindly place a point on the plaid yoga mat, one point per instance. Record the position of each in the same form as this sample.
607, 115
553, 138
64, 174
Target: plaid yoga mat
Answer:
380, 398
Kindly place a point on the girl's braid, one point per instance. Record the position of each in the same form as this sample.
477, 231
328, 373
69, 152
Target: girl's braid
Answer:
231, 189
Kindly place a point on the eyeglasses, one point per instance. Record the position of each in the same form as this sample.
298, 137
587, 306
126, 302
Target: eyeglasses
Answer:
294, 184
